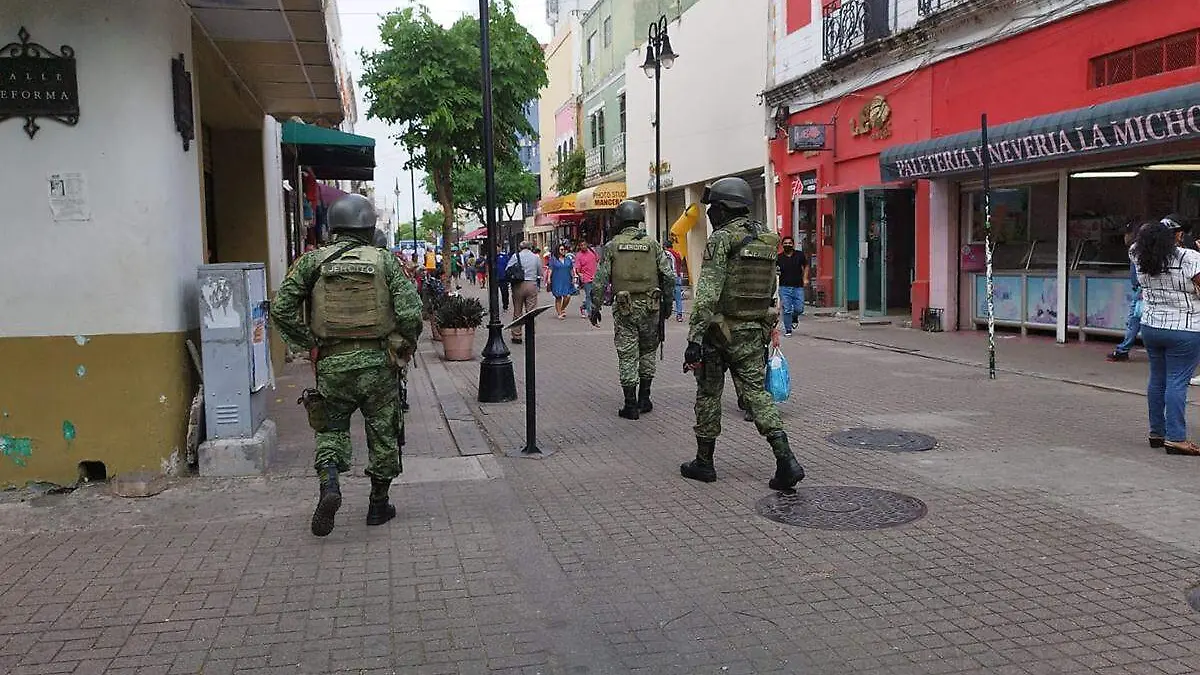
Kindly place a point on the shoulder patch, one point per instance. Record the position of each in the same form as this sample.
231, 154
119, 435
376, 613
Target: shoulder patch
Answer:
709, 250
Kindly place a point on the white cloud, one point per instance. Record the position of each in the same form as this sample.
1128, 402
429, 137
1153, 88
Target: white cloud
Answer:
360, 31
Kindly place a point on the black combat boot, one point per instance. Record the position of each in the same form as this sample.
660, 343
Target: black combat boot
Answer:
630, 411
404, 398
329, 501
644, 404
701, 468
380, 510
788, 471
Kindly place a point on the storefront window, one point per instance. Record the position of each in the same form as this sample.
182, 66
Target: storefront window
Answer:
1024, 225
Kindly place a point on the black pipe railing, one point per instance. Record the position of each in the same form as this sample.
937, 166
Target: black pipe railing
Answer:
927, 8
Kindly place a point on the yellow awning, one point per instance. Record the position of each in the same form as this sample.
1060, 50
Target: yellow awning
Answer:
563, 204
601, 197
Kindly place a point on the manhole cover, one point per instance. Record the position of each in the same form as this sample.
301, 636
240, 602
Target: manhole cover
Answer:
892, 440
1193, 597
836, 507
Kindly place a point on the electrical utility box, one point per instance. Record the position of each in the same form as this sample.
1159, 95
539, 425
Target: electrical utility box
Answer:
235, 349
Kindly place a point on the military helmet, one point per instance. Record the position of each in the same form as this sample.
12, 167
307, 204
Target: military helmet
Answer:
630, 211
731, 192
352, 212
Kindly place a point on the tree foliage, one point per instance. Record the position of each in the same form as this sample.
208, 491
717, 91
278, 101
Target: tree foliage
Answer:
427, 79
429, 225
570, 172
514, 185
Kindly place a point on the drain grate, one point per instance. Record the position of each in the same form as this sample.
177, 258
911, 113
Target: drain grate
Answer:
838, 507
891, 440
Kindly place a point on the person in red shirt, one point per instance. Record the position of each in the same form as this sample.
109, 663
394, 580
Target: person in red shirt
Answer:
586, 262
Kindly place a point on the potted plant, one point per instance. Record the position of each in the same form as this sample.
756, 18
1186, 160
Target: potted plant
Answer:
431, 305
457, 318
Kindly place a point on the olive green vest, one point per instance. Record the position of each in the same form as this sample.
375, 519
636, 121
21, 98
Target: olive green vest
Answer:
351, 299
635, 264
749, 274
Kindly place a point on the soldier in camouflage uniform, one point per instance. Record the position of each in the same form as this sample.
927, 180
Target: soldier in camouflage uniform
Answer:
364, 321
730, 324
642, 281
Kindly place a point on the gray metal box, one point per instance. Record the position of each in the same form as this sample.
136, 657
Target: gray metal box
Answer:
235, 348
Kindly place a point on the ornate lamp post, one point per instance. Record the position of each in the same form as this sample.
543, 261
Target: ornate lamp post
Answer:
496, 380
659, 55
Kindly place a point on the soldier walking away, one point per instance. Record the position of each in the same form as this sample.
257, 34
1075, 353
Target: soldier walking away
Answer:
730, 324
364, 321
642, 281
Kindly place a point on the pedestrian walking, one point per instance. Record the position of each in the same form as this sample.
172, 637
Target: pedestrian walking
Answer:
501, 280
586, 262
364, 324
676, 261
793, 277
729, 328
641, 280
561, 283
1170, 279
524, 271
1133, 322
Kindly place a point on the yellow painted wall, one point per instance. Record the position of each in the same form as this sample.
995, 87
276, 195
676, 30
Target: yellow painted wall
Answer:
126, 396
239, 195
560, 72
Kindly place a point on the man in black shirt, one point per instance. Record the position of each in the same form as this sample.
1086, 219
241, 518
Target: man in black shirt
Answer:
793, 277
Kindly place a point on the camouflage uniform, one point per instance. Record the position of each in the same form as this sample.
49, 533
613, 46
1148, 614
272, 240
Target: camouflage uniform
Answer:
635, 317
352, 374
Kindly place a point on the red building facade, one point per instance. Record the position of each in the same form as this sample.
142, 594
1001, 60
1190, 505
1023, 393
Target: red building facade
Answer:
916, 239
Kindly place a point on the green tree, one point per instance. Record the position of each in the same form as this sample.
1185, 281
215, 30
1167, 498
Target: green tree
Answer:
427, 79
514, 185
570, 172
429, 225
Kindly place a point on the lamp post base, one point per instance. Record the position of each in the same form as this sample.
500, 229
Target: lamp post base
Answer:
529, 452
497, 383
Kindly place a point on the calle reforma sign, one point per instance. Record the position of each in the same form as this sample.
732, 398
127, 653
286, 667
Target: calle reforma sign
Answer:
1170, 115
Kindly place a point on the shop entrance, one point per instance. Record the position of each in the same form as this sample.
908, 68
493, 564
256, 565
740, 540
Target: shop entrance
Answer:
846, 208
886, 232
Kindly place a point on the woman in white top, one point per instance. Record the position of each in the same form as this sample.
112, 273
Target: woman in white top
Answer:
1170, 280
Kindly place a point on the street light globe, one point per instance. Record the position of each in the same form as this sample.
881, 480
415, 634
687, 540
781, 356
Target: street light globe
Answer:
648, 66
665, 54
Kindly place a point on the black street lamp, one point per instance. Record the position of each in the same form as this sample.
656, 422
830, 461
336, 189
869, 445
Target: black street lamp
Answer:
659, 55
496, 380
412, 180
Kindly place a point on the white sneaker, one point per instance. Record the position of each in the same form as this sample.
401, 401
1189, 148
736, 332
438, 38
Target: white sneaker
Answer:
1195, 381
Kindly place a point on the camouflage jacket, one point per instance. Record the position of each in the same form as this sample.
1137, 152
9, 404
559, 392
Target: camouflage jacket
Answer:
295, 291
666, 274
712, 277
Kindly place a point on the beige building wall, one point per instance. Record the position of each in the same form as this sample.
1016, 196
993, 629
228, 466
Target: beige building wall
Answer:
563, 74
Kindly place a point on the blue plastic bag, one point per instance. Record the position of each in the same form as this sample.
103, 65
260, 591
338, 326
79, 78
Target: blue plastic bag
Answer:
779, 381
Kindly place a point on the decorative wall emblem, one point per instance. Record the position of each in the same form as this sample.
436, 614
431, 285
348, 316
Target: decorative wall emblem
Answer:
875, 119
36, 82
181, 89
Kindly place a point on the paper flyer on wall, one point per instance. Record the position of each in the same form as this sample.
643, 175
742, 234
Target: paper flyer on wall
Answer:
68, 197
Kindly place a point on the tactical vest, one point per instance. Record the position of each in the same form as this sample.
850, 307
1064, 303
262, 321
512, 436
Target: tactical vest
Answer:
351, 299
635, 264
749, 275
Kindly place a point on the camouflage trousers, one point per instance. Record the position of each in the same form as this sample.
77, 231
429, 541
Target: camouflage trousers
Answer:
373, 392
636, 336
744, 360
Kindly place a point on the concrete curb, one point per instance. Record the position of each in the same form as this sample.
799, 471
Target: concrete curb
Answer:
464, 427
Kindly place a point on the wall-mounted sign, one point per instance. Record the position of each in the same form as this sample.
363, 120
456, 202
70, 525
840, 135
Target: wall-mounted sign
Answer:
181, 89
806, 137
875, 119
35, 82
804, 185
664, 176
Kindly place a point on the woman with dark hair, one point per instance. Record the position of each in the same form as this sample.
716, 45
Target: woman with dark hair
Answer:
1170, 279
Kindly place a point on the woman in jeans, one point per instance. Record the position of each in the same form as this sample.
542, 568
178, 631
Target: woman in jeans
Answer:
1170, 280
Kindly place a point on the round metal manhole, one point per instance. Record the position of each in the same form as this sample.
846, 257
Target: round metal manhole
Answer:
891, 440
837, 507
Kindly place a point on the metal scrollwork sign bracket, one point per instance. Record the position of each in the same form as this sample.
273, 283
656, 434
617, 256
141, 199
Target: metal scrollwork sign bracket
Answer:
37, 82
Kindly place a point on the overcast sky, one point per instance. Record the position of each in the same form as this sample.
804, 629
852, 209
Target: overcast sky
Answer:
360, 30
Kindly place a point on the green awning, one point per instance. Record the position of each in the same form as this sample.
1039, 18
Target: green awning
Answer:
332, 154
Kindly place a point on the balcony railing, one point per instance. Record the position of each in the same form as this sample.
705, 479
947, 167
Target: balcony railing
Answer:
848, 25
595, 164
616, 152
930, 7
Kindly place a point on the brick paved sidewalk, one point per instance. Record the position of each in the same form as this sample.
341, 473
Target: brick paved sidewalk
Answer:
1055, 540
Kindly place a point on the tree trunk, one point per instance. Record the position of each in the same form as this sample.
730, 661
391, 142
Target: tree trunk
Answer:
445, 197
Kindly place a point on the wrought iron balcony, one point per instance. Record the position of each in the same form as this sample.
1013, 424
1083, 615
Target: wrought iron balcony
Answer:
930, 7
616, 152
848, 25
595, 164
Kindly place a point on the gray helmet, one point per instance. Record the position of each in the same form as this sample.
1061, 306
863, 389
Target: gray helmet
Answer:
352, 213
732, 192
630, 211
